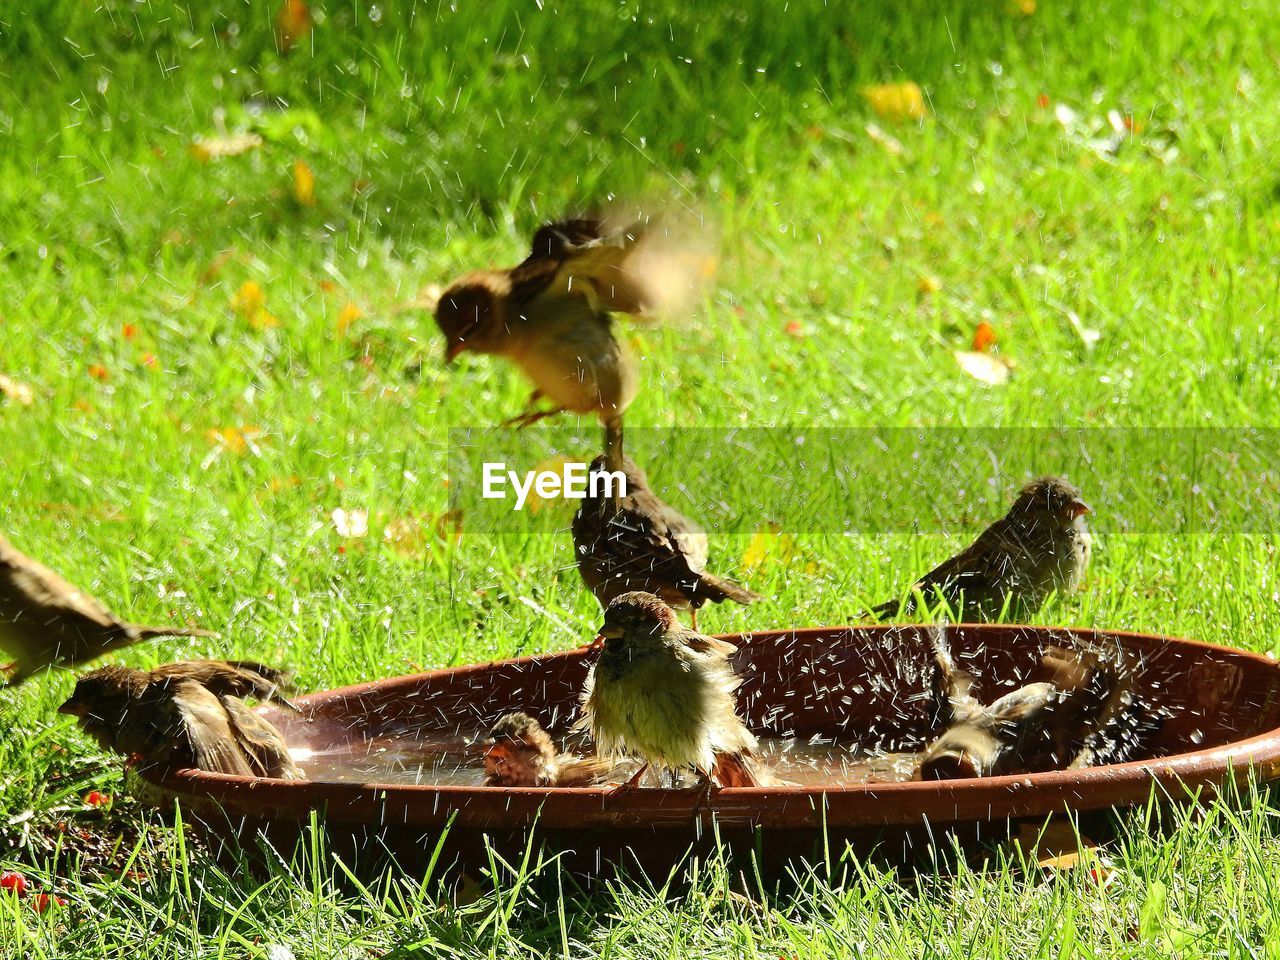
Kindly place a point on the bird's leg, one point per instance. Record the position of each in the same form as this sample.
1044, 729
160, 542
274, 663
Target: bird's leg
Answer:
693, 615
613, 455
632, 783
530, 417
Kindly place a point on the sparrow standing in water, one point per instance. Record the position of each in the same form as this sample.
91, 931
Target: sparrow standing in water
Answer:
45, 620
637, 542
665, 694
519, 753
186, 715
1041, 545
552, 315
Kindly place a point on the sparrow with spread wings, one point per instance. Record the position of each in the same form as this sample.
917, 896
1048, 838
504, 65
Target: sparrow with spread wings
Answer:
552, 315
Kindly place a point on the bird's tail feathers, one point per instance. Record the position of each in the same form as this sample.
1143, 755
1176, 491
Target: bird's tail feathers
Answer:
144, 632
717, 589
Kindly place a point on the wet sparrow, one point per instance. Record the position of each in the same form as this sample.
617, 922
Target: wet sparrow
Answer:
637, 542
1041, 545
551, 315
1045, 725
185, 715
665, 694
519, 753
45, 620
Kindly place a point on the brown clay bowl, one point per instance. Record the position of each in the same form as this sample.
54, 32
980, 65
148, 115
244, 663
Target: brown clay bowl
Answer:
1219, 709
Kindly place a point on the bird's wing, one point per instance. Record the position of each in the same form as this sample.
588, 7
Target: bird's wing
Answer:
266, 749
952, 687
707, 646
1022, 706
646, 538
578, 264
28, 583
237, 678
214, 745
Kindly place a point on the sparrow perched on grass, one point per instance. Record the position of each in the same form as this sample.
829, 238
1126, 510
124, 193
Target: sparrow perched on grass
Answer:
519, 753
1041, 545
551, 315
186, 715
665, 694
637, 542
45, 620
1046, 725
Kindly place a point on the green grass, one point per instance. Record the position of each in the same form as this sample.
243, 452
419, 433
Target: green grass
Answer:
438, 139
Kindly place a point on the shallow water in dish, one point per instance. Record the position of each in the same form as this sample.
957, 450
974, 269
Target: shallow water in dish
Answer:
456, 760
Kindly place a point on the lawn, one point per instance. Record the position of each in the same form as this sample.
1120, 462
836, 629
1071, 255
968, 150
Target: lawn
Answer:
222, 351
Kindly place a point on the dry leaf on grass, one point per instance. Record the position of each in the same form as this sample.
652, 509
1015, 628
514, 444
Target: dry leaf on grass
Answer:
293, 23
17, 391
984, 338
249, 303
216, 148
896, 101
769, 545
1056, 846
984, 366
304, 184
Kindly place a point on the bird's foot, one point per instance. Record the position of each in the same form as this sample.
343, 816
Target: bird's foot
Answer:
622, 789
530, 417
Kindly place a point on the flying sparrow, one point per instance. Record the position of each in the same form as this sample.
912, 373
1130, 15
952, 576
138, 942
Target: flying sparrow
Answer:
45, 620
665, 694
1041, 545
185, 715
637, 542
551, 315
519, 753
1045, 725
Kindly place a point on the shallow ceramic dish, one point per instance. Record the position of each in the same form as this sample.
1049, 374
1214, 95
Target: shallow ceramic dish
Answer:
1219, 715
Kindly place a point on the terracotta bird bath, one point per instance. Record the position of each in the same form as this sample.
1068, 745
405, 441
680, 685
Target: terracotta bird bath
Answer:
395, 763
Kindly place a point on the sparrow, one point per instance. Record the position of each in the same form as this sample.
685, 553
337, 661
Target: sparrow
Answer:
44, 620
1045, 725
666, 694
552, 315
637, 542
1041, 545
519, 753
186, 715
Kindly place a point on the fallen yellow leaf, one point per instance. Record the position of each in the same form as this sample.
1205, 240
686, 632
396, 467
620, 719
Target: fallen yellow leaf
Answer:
984, 366
293, 23
896, 101
235, 440
304, 184
16, 391
249, 303
347, 316
216, 148
770, 545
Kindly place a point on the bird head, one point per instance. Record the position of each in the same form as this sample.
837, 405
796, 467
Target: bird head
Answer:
964, 752
516, 750
468, 314
637, 616
1053, 497
101, 699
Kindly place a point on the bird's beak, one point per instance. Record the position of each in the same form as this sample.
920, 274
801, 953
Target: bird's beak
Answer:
1079, 508
452, 350
73, 709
